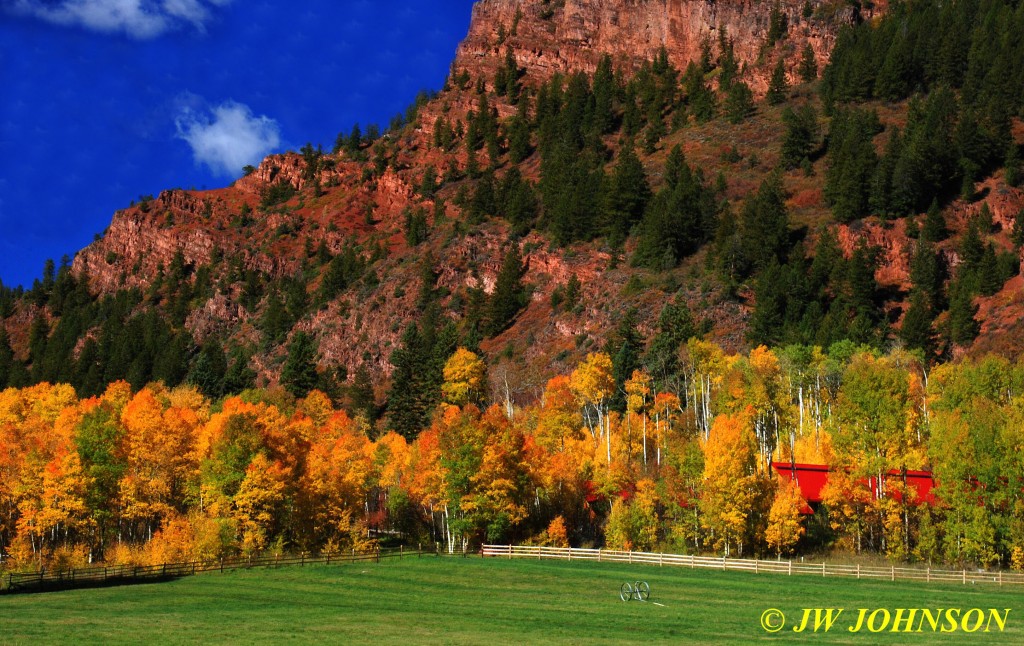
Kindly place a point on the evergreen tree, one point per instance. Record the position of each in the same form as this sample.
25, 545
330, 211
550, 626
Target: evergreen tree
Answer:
852, 160
808, 68
916, 330
926, 273
675, 327
624, 347
209, 369
518, 135
934, 229
1017, 235
361, 395
627, 197
801, 137
739, 102
778, 86
299, 375
239, 376
509, 293
765, 226
963, 326
699, 97
778, 25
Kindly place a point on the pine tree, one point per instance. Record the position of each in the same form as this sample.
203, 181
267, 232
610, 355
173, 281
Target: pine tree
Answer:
209, 369
778, 25
801, 135
299, 375
934, 229
808, 68
1012, 164
916, 331
963, 326
739, 102
361, 395
1017, 235
509, 293
627, 197
624, 346
778, 86
675, 327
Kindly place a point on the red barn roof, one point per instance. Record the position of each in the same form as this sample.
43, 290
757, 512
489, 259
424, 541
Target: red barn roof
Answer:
812, 478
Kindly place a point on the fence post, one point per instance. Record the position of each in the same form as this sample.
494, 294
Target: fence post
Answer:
510, 552
894, 573
823, 568
755, 566
723, 563
965, 576
222, 565
858, 570
928, 575
401, 552
661, 559
599, 555
790, 567
419, 550
630, 557
1000, 577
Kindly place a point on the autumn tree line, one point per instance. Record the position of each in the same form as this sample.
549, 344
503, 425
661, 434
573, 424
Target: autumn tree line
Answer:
166, 474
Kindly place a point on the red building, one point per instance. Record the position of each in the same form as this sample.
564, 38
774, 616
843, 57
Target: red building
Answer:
811, 478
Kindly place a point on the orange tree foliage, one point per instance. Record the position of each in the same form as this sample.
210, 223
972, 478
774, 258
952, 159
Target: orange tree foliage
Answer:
156, 474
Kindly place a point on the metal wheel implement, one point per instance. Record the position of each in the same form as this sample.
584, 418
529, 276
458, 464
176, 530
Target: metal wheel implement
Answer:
643, 590
626, 592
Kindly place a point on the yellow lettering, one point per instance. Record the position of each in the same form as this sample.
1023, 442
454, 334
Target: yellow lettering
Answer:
860, 621
933, 620
1000, 621
828, 619
952, 614
899, 618
885, 622
803, 622
977, 626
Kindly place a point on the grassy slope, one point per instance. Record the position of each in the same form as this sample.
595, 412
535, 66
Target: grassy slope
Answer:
476, 601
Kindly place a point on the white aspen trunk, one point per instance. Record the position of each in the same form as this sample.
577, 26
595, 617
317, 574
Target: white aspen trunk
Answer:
645, 440
608, 436
800, 397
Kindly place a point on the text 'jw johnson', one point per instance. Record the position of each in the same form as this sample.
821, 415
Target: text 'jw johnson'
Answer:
896, 620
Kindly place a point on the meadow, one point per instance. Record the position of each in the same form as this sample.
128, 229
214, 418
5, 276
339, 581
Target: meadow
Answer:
483, 601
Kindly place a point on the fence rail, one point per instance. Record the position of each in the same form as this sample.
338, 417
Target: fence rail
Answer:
756, 566
44, 581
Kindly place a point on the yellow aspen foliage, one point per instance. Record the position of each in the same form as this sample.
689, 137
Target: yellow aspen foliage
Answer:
785, 526
559, 419
465, 378
557, 535
728, 483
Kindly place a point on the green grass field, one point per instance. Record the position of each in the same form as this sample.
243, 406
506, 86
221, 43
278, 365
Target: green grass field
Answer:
482, 601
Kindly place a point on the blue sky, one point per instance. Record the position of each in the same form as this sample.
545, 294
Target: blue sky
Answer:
107, 100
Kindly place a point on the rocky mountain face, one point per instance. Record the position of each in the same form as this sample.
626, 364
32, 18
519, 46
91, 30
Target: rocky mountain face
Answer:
572, 35
342, 202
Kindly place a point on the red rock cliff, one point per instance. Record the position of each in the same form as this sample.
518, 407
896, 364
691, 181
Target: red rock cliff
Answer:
549, 37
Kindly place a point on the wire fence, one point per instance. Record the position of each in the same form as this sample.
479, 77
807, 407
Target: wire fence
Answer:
51, 580
756, 566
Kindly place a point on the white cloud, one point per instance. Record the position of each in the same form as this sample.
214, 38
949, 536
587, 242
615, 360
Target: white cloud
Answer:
137, 18
228, 137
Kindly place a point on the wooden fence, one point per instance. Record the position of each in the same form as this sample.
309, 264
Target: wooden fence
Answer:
44, 580
756, 566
